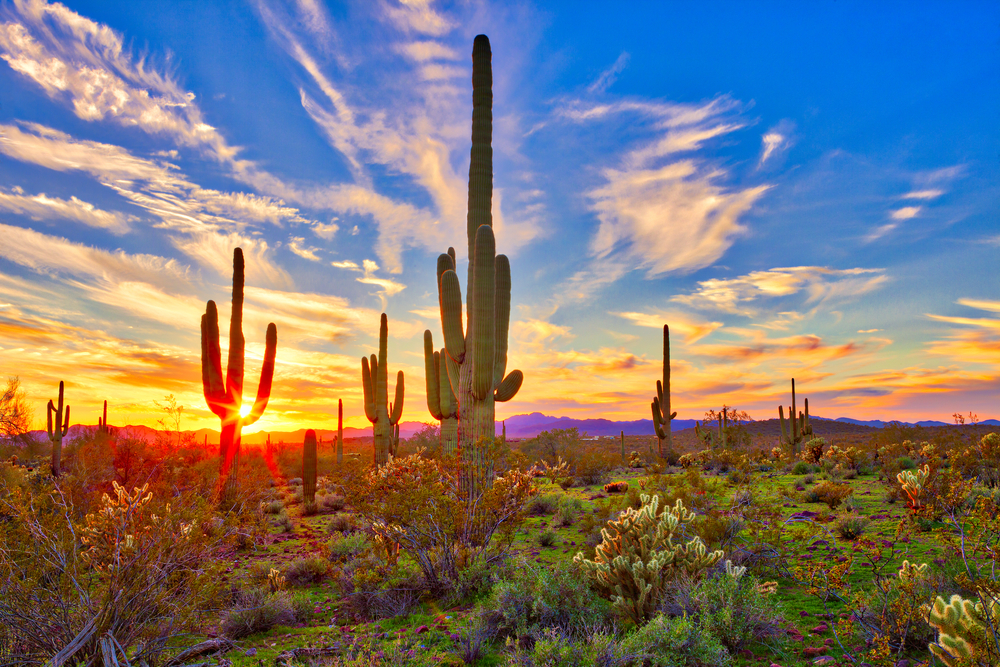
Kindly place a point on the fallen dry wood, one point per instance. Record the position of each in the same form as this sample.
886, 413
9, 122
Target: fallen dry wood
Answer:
219, 645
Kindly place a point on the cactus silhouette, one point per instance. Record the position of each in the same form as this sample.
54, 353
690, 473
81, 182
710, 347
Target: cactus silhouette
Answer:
60, 431
375, 380
441, 400
793, 437
340, 431
476, 356
662, 416
102, 422
710, 439
225, 396
309, 467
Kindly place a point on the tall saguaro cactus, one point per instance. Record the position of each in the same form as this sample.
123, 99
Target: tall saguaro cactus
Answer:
60, 431
102, 422
225, 397
800, 427
375, 380
662, 416
441, 400
340, 431
309, 464
476, 355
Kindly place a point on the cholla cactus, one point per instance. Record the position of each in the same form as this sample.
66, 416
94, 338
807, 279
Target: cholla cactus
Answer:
734, 571
767, 587
276, 581
962, 631
913, 484
910, 571
638, 556
113, 531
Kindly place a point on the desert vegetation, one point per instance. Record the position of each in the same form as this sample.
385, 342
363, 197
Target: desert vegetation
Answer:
783, 542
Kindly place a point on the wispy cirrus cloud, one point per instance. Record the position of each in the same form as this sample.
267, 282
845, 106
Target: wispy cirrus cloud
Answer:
86, 63
43, 207
820, 284
610, 75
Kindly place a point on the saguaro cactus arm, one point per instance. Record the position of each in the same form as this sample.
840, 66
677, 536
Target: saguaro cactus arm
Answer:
266, 376
432, 376
397, 405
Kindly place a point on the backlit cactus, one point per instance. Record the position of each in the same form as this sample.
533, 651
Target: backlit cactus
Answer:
792, 438
309, 461
964, 635
638, 556
384, 416
476, 358
662, 416
59, 431
441, 400
714, 440
913, 484
225, 396
102, 422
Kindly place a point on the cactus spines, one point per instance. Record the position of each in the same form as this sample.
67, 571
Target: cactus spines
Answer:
309, 462
59, 431
383, 416
340, 431
661, 403
476, 355
963, 638
225, 397
441, 400
794, 435
638, 556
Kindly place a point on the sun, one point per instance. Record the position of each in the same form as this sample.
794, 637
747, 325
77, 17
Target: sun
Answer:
245, 410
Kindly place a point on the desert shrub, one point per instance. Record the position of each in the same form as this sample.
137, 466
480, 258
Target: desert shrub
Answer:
571, 504
831, 493
564, 517
906, 463
616, 487
341, 523
274, 507
373, 588
306, 571
346, 547
649, 557
738, 611
676, 642
294, 498
593, 467
547, 538
310, 508
140, 569
852, 527
543, 505
809, 479
566, 483
534, 597
556, 648
284, 522
255, 611
415, 503
295, 481
850, 473
332, 502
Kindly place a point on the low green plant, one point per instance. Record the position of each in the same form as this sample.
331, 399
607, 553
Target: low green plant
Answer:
852, 527
676, 642
306, 571
345, 547
547, 538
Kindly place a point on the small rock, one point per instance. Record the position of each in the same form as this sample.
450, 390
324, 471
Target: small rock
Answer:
803, 614
422, 629
745, 653
903, 663
455, 637
822, 627
250, 652
824, 659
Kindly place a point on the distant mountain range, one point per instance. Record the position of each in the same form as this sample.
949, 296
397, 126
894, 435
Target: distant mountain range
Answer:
518, 426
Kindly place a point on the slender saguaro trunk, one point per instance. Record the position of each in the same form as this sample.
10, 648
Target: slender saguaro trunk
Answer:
662, 416
309, 465
59, 431
375, 381
225, 399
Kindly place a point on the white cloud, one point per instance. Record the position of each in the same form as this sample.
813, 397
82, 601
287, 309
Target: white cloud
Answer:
879, 232
215, 250
427, 50
387, 286
346, 264
325, 231
822, 284
297, 244
74, 58
417, 16
610, 75
776, 140
43, 207
923, 194
905, 213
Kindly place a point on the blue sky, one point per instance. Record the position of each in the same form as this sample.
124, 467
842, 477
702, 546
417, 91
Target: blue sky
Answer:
803, 190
